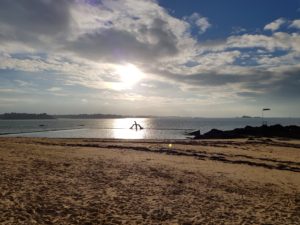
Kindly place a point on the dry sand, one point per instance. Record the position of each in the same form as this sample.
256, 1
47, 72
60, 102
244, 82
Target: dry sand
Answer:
90, 181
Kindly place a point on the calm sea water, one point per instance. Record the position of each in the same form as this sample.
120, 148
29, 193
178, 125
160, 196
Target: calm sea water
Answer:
155, 128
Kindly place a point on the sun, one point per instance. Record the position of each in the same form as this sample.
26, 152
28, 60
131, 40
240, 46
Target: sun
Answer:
129, 75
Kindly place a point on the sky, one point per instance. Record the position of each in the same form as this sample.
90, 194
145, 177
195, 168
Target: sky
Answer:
193, 58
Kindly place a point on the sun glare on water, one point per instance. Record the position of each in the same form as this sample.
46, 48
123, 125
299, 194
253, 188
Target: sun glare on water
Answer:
129, 75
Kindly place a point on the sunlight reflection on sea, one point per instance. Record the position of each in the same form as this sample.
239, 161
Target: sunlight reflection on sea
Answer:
120, 128
155, 128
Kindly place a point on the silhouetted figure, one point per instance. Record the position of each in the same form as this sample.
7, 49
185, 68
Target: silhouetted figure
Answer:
136, 126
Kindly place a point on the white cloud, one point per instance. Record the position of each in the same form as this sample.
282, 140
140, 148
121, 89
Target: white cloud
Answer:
54, 89
275, 25
201, 22
83, 100
238, 30
22, 83
277, 41
28, 65
8, 90
87, 42
295, 24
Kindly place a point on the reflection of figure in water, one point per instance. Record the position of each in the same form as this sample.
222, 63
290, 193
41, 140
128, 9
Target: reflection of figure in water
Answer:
136, 126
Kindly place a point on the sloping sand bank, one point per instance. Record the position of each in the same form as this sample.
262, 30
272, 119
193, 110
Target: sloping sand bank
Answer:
92, 181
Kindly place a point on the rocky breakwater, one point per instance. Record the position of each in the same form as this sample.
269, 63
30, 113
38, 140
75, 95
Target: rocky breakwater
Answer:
248, 131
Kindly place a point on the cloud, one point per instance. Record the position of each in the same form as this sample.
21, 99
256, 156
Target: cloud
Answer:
238, 30
295, 24
275, 25
277, 41
34, 22
22, 83
219, 78
87, 40
118, 45
80, 44
202, 23
83, 100
54, 89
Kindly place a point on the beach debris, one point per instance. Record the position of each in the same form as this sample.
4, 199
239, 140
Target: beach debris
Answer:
136, 126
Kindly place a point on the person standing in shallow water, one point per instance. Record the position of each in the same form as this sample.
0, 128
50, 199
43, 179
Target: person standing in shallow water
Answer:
136, 125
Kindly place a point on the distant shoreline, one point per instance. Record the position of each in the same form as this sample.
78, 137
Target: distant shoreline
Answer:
27, 116
32, 116
45, 116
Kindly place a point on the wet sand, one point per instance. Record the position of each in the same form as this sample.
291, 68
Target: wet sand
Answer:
92, 181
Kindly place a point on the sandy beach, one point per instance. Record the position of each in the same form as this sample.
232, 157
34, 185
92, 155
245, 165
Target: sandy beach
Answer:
93, 181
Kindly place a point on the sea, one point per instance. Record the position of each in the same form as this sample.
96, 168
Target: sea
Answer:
154, 128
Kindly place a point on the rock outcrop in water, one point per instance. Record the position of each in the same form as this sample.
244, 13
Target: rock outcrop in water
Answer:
248, 131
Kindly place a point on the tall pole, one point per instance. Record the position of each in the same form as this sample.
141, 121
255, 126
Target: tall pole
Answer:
262, 117
262, 114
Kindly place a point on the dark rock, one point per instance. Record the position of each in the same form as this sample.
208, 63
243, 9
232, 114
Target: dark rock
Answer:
195, 133
248, 131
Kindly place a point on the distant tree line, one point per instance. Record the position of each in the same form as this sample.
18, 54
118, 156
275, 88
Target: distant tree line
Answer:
32, 116
24, 116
